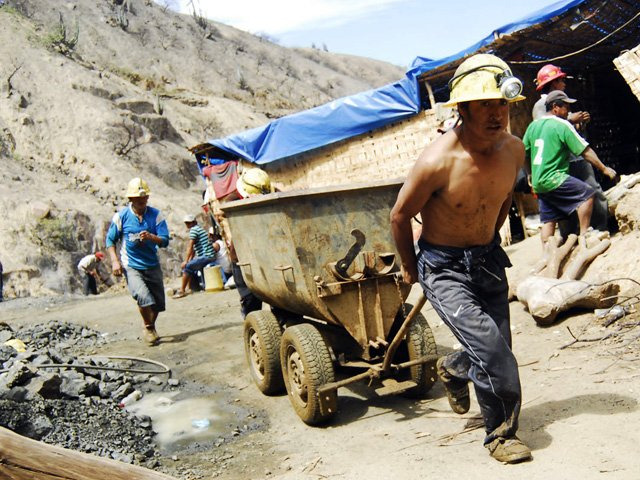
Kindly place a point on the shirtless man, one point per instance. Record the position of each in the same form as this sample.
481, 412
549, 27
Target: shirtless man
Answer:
462, 185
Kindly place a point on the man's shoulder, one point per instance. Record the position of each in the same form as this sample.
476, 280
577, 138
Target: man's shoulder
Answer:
547, 123
443, 147
152, 211
196, 231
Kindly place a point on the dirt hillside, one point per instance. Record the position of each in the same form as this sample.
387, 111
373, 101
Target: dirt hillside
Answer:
92, 94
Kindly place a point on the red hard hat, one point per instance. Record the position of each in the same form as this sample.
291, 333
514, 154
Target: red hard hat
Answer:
100, 256
547, 74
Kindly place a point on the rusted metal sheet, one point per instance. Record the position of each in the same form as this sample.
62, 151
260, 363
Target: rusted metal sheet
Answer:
325, 253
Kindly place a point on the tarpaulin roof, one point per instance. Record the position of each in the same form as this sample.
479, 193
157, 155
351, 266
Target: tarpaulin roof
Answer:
357, 114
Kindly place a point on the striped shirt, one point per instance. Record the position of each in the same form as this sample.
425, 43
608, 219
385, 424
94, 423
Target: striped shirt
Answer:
201, 242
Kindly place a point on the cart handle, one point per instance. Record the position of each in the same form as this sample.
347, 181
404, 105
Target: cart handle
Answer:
402, 332
245, 264
284, 268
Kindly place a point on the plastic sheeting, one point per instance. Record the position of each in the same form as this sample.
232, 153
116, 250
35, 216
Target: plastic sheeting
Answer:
325, 124
422, 65
357, 114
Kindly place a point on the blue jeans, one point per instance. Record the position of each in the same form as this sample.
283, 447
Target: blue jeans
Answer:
195, 265
469, 291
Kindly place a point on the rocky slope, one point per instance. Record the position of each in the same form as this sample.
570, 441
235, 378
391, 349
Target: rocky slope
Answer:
92, 94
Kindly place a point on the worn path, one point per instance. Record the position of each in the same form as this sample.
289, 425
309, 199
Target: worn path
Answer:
580, 412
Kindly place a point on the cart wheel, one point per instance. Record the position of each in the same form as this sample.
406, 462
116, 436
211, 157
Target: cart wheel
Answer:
418, 343
306, 366
262, 335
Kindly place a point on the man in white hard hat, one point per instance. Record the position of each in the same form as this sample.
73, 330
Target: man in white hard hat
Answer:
462, 185
141, 229
199, 253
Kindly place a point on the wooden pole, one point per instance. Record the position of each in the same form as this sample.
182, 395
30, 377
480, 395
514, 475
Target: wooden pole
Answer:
22, 458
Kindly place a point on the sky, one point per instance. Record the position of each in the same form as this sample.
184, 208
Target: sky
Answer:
395, 31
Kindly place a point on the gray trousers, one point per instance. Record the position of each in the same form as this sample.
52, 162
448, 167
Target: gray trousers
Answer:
469, 291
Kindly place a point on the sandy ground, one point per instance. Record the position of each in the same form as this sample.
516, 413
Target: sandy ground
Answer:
580, 412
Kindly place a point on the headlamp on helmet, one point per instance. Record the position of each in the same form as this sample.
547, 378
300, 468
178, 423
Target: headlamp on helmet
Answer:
137, 187
510, 86
483, 77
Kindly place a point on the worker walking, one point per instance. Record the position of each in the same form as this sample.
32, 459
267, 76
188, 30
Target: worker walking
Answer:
462, 185
141, 230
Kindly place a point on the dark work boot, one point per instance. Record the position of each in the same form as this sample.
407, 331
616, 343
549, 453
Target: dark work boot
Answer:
457, 390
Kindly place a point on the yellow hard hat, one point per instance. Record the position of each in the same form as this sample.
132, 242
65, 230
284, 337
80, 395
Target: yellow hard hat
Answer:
137, 188
484, 77
253, 181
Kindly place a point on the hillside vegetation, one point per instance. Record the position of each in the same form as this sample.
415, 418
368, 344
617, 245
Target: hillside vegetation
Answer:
93, 94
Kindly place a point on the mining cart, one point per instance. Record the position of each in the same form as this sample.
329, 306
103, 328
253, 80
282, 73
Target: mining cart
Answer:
325, 262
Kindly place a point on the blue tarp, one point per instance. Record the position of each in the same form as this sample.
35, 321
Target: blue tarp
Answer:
323, 125
357, 114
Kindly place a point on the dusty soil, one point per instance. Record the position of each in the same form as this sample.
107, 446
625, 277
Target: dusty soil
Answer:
127, 101
580, 401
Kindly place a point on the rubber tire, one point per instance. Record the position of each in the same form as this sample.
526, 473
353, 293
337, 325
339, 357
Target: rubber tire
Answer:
262, 336
306, 366
418, 343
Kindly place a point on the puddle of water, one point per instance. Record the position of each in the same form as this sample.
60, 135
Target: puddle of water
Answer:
180, 423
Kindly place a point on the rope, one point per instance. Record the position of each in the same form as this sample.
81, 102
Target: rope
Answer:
534, 62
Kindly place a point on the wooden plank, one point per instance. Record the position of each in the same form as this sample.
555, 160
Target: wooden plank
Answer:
22, 458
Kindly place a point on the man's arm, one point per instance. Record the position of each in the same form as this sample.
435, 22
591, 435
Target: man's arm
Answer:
420, 184
578, 118
590, 156
190, 252
116, 267
518, 153
504, 211
113, 235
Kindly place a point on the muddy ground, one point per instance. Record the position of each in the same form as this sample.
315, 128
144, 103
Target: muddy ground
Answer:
580, 411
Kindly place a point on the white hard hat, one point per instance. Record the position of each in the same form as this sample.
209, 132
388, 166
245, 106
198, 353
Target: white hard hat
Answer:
188, 218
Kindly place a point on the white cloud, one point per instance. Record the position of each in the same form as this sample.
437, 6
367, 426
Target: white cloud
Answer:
281, 16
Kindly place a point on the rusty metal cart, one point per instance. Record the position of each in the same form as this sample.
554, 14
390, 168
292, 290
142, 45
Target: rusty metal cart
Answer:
325, 261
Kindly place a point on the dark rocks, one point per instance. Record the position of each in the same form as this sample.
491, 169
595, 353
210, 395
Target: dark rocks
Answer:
49, 393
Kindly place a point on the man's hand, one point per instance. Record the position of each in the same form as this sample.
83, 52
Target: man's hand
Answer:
144, 236
610, 173
409, 275
116, 268
579, 117
182, 265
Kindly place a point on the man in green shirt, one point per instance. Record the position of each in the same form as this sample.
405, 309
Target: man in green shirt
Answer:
548, 142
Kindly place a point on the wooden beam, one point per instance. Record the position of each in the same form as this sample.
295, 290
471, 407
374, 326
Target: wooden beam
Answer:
22, 458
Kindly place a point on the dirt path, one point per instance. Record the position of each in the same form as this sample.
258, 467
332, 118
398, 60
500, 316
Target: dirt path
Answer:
580, 412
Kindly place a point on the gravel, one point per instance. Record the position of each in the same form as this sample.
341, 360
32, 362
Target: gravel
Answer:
76, 408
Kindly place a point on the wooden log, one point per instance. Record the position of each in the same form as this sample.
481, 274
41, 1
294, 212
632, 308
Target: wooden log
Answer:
545, 298
22, 458
555, 255
585, 256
